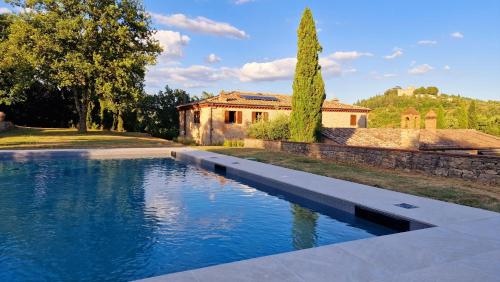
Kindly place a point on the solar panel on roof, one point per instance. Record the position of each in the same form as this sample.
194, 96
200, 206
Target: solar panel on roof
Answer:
262, 98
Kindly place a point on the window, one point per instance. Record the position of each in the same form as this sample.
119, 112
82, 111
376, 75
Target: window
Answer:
196, 117
233, 117
258, 116
354, 120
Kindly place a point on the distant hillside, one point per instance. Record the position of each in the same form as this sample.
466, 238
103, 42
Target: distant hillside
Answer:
453, 111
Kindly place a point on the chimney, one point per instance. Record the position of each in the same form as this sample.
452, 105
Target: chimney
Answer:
431, 120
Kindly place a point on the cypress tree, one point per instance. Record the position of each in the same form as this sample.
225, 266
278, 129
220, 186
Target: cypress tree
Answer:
441, 118
463, 119
472, 115
308, 86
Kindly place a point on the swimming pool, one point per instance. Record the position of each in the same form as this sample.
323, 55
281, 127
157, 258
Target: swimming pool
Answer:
117, 220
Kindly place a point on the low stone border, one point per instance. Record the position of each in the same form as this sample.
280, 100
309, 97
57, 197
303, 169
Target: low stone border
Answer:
119, 153
471, 167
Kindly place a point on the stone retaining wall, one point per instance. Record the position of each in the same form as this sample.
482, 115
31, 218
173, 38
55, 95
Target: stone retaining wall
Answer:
472, 167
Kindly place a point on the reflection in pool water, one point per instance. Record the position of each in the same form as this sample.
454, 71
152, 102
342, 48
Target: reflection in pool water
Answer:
119, 220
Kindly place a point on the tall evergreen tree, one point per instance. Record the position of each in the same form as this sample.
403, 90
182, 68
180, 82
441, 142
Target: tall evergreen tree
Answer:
441, 118
308, 85
463, 119
472, 115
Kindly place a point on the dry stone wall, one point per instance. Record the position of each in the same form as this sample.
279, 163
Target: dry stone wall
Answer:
472, 167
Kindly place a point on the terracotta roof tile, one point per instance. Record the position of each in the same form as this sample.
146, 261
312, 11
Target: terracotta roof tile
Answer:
439, 139
457, 139
431, 114
236, 98
411, 111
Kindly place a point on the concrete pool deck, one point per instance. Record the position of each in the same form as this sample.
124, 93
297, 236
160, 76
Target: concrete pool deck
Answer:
449, 242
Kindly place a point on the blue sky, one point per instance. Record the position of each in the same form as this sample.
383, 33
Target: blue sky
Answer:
368, 46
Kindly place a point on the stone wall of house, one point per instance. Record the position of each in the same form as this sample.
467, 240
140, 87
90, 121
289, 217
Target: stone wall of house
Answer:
215, 132
472, 167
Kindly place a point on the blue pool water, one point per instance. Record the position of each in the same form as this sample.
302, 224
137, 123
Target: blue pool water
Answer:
119, 220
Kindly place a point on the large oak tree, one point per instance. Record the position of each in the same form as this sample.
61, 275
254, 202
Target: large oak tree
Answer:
92, 48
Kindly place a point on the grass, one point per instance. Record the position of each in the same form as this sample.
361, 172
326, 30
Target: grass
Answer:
453, 190
50, 138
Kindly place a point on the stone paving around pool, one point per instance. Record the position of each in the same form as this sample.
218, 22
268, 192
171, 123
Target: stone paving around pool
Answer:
449, 242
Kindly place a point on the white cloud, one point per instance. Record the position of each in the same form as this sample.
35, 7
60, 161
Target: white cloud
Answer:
349, 55
268, 71
239, 2
5, 11
457, 34
191, 77
198, 75
376, 75
447, 68
427, 42
420, 69
172, 43
212, 59
397, 53
200, 25
284, 69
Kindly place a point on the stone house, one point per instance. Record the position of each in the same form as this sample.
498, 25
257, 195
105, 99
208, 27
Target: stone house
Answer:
228, 115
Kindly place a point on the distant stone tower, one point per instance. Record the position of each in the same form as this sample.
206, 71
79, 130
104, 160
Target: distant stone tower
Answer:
410, 119
431, 120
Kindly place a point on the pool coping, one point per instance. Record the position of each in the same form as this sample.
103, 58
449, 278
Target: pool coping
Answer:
448, 241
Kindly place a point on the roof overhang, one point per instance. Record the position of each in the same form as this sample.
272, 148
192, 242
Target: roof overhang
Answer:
261, 107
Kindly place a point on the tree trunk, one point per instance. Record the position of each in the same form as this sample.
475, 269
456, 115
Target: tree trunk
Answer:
119, 125
81, 103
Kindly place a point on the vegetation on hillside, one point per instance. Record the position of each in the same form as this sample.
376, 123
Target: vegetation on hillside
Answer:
308, 85
452, 111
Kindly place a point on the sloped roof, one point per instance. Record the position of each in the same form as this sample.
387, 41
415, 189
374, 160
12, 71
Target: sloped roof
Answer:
411, 111
237, 98
364, 137
431, 114
438, 139
457, 139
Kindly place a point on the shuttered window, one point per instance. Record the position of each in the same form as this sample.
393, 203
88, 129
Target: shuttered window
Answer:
196, 117
233, 117
258, 116
239, 117
354, 120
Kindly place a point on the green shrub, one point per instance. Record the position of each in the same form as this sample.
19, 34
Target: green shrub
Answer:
275, 129
234, 143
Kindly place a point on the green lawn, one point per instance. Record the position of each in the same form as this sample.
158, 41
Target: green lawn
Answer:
453, 190
46, 138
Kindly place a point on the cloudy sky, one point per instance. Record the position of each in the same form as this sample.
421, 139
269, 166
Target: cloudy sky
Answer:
368, 46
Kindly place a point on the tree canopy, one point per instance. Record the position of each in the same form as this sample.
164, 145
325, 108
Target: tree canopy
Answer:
308, 85
94, 49
452, 111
